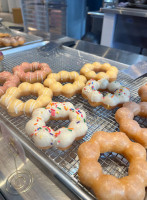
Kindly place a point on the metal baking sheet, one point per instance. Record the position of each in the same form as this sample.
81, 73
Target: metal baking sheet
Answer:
64, 164
29, 38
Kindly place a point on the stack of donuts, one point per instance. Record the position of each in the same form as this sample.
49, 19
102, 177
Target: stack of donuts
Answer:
97, 83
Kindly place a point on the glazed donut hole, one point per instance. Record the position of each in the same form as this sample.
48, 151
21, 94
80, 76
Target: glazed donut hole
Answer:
114, 164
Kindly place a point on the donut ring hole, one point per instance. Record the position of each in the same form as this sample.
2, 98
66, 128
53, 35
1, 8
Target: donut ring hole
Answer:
96, 70
57, 124
114, 164
33, 69
2, 82
142, 121
65, 81
29, 95
105, 92
26, 98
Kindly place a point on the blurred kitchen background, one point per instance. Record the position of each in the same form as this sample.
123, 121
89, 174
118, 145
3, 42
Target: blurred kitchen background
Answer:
119, 24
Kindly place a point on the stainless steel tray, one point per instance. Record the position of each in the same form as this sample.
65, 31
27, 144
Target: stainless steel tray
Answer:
29, 38
64, 164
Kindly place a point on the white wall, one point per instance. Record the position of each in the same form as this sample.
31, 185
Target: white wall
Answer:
4, 6
13, 4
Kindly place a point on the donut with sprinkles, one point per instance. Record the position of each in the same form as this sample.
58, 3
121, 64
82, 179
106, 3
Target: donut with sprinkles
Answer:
45, 137
119, 95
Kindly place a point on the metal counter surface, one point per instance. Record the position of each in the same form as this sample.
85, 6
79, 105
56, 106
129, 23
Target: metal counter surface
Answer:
125, 11
45, 186
110, 53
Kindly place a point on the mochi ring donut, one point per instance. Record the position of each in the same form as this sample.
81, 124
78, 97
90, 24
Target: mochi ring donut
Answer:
95, 98
32, 72
143, 92
15, 107
131, 187
54, 81
98, 71
45, 137
12, 41
124, 116
8, 80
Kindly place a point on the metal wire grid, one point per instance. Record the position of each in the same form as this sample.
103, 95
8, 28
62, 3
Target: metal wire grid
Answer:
98, 119
29, 38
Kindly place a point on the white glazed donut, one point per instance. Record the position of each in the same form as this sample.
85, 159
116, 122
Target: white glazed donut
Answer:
45, 137
118, 96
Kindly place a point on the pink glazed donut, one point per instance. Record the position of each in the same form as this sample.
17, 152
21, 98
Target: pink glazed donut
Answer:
8, 80
32, 72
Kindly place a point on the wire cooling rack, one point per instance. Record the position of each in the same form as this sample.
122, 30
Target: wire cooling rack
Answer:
98, 119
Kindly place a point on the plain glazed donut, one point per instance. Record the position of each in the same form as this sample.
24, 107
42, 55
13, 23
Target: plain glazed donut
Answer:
95, 98
32, 72
108, 187
54, 81
8, 80
143, 92
98, 71
45, 137
124, 116
15, 107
